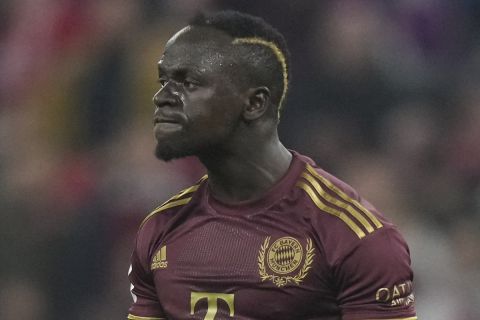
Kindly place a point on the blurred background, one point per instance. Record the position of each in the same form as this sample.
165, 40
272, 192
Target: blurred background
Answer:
384, 94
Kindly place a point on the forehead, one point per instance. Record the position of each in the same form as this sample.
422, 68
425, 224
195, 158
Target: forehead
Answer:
200, 48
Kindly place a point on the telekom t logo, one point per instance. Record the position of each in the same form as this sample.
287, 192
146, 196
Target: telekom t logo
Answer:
212, 303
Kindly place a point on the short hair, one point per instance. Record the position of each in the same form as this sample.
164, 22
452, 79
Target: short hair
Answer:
269, 45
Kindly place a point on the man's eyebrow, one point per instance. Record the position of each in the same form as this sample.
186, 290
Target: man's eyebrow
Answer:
179, 70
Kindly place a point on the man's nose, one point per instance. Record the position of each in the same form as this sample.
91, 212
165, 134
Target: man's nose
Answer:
166, 96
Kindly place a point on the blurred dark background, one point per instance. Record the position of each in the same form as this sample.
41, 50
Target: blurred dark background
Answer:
384, 94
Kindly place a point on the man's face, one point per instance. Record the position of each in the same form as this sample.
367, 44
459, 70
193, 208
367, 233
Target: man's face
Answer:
198, 106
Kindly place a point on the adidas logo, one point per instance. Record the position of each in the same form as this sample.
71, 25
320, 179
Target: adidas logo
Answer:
160, 259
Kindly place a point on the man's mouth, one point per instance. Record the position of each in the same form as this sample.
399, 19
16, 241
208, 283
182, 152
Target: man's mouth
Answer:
158, 120
162, 125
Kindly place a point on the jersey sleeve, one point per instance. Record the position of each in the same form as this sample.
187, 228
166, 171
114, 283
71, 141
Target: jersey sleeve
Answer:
374, 279
145, 303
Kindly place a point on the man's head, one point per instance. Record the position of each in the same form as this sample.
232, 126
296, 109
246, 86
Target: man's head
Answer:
220, 75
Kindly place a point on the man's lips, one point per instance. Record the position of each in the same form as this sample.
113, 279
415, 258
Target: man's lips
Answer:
165, 125
157, 120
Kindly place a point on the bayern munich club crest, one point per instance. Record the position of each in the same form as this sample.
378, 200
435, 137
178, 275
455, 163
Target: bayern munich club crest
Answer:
287, 260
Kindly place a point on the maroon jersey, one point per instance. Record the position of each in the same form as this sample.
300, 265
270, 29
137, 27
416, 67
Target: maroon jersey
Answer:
311, 248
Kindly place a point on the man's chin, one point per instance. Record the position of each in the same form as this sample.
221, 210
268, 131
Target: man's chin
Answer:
167, 153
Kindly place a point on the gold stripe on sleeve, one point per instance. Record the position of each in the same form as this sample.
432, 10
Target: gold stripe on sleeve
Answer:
322, 206
166, 206
344, 196
170, 203
184, 192
132, 317
338, 203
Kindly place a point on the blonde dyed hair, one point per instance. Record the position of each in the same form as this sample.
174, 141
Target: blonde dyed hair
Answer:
280, 58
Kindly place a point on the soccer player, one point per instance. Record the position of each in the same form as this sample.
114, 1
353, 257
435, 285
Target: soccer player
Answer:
266, 234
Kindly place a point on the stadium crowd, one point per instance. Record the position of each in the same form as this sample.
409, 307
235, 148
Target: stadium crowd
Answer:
384, 94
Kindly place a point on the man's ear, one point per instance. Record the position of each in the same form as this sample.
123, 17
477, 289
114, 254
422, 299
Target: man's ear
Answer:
257, 103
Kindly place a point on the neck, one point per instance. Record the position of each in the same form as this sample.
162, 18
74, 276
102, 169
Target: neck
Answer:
248, 171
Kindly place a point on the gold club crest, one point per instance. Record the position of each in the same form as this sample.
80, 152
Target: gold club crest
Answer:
284, 257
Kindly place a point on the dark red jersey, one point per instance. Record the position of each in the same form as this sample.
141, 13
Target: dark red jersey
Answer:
311, 248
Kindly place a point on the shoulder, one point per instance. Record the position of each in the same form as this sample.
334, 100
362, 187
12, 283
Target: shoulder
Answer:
364, 250
341, 218
337, 200
154, 223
